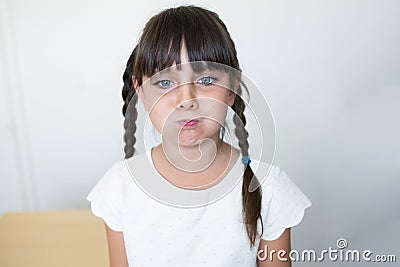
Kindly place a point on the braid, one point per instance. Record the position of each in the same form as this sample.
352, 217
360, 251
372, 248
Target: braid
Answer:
129, 109
251, 201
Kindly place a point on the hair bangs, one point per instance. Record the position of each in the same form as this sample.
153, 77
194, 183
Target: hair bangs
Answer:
207, 41
204, 35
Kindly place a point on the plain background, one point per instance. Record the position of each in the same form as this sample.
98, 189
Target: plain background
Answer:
329, 69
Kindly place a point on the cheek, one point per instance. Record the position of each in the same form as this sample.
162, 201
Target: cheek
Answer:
156, 120
151, 102
217, 112
159, 113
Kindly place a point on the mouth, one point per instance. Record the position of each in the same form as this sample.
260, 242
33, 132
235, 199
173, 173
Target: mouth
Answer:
188, 123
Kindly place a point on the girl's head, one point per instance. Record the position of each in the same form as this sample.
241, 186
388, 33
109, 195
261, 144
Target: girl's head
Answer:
191, 34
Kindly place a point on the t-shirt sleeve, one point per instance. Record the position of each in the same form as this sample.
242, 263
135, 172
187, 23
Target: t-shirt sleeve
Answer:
106, 197
286, 205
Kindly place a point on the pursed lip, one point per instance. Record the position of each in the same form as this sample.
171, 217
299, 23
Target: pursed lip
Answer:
188, 123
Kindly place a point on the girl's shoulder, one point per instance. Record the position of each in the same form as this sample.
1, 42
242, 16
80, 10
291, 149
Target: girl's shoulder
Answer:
284, 203
108, 197
272, 178
267, 174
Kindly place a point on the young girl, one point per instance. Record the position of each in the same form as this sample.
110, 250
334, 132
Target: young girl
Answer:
191, 200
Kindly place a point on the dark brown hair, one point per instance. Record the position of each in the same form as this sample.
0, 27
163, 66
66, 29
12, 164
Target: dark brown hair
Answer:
207, 39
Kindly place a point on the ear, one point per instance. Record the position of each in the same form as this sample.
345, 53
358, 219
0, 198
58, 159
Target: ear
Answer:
139, 91
237, 77
231, 97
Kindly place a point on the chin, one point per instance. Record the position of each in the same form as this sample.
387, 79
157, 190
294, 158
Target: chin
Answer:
189, 143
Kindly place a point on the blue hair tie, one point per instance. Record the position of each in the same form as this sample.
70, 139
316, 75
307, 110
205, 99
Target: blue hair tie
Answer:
246, 160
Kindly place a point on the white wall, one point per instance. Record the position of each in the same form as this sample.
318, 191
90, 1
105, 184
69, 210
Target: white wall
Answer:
330, 70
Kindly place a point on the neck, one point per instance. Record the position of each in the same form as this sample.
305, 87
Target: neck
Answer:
196, 158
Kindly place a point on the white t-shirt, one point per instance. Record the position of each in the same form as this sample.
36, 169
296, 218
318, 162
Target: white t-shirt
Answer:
164, 226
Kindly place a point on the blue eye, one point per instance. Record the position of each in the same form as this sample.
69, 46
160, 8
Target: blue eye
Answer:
164, 84
207, 80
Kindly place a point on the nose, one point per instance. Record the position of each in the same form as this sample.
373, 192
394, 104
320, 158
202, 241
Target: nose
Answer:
186, 99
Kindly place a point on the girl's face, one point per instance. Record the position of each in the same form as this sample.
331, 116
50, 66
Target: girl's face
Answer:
185, 106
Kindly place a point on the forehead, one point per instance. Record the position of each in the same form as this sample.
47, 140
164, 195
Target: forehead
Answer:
184, 53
